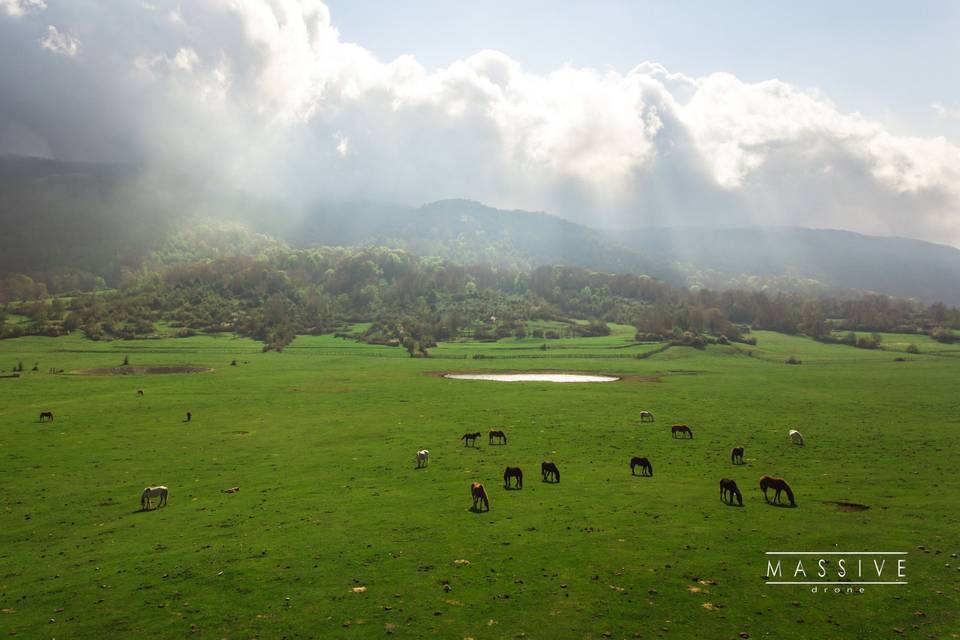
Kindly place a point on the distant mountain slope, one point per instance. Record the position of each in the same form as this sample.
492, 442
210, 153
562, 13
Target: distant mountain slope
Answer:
840, 259
469, 232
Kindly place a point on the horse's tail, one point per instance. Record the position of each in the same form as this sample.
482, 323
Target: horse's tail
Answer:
556, 472
504, 436
786, 488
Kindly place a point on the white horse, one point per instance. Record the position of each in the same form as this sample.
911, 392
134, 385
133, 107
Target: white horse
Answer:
153, 492
646, 416
796, 437
423, 457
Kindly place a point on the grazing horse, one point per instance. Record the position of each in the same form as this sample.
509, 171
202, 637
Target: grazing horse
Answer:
500, 435
139, 392
512, 472
736, 455
681, 429
153, 492
479, 495
730, 487
423, 457
796, 437
646, 416
646, 469
769, 482
470, 439
549, 469
46, 415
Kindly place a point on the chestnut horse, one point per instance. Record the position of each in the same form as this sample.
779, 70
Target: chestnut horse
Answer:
46, 415
479, 495
470, 439
769, 482
512, 472
549, 469
736, 455
681, 428
646, 416
730, 487
497, 434
646, 469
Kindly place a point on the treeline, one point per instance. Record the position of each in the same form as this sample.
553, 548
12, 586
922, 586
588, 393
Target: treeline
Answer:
415, 302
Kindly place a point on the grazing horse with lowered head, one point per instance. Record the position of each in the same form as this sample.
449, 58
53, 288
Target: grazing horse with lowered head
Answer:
681, 429
736, 455
646, 416
46, 415
189, 417
153, 492
139, 392
549, 469
512, 472
729, 487
423, 457
500, 435
646, 469
796, 437
779, 484
479, 495
470, 439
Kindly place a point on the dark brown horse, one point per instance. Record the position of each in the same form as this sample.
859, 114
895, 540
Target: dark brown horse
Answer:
736, 455
479, 495
681, 429
729, 487
769, 482
46, 415
646, 469
549, 469
189, 417
470, 439
512, 472
500, 435
139, 392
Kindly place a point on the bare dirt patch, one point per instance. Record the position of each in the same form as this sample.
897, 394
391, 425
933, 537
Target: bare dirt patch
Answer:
142, 370
847, 506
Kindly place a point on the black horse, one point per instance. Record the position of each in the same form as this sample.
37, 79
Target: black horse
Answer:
736, 455
470, 439
549, 469
512, 472
646, 469
729, 491
500, 435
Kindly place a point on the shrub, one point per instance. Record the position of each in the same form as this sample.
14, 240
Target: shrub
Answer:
794, 360
943, 334
912, 348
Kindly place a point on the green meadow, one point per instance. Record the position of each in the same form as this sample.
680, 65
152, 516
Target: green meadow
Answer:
335, 534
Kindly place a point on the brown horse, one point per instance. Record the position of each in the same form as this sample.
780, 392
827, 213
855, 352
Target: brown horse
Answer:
549, 469
681, 429
646, 469
769, 482
646, 416
479, 495
512, 472
470, 439
736, 455
499, 435
730, 487
46, 415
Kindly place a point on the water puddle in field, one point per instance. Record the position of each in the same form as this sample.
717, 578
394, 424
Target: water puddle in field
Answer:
531, 377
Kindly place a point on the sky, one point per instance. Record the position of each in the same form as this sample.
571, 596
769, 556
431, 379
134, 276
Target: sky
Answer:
609, 113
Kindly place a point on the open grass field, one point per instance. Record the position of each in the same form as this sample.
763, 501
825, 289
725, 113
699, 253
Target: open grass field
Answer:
335, 534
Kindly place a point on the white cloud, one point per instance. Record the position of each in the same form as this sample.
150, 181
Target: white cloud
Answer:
944, 112
62, 44
253, 91
17, 8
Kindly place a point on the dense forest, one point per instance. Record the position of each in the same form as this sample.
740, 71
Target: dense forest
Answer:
218, 280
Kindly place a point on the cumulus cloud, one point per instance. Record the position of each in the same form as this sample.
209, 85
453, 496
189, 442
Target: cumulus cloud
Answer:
17, 8
945, 112
62, 44
266, 96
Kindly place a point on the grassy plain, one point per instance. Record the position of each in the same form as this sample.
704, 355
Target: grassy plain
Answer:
321, 438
